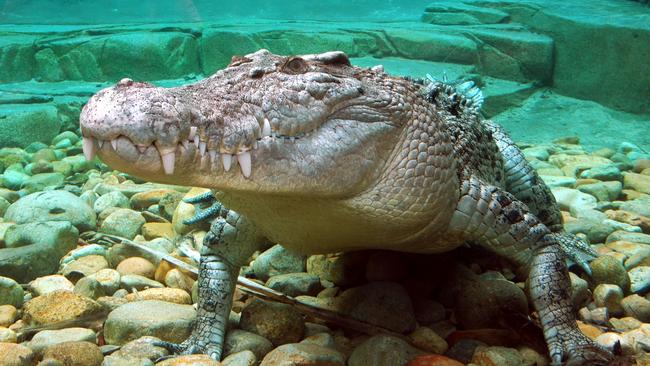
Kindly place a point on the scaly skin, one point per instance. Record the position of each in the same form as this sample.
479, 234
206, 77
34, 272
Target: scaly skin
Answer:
338, 158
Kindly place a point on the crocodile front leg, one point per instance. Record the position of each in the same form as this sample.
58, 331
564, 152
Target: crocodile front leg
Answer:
498, 221
231, 241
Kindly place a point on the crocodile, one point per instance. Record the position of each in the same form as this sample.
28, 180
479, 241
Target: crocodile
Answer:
322, 156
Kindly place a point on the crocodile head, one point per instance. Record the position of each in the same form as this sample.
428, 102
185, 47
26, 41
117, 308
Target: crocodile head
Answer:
274, 124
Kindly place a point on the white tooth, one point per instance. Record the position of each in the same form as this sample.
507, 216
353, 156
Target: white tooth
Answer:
202, 146
196, 140
266, 130
244, 160
186, 144
292, 139
213, 155
192, 133
227, 161
100, 143
255, 145
168, 160
89, 148
142, 148
114, 144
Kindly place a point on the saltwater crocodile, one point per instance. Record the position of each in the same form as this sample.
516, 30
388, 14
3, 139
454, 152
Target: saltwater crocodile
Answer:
333, 157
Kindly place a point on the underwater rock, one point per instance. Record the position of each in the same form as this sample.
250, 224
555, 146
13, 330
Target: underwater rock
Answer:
52, 206
123, 222
383, 350
11, 293
111, 199
303, 354
173, 295
238, 340
167, 321
81, 353
279, 323
47, 338
243, 358
295, 284
23, 124
46, 284
58, 306
34, 250
276, 261
136, 266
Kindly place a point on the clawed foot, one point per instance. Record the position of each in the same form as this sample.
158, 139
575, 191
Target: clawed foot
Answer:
577, 250
201, 214
190, 346
579, 351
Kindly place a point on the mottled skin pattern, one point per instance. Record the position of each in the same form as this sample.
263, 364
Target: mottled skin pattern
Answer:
337, 158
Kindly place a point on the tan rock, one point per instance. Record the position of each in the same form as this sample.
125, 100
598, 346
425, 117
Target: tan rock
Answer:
7, 335
174, 295
497, 356
589, 330
85, 266
8, 315
637, 182
142, 200
153, 230
75, 353
12, 354
190, 360
136, 266
58, 306
426, 339
177, 279
46, 284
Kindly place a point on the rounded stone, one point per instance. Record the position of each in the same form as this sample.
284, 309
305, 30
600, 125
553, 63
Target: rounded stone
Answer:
46, 284
174, 295
136, 266
433, 360
383, 350
482, 304
501, 356
238, 340
343, 269
177, 279
75, 353
609, 296
637, 307
295, 284
109, 279
276, 261
123, 222
165, 320
12, 354
7, 335
89, 287
11, 293
243, 358
142, 347
87, 265
55, 205
607, 269
303, 354
139, 283
279, 323
58, 306
8, 315
426, 339
640, 279
580, 294
111, 199
47, 338
190, 360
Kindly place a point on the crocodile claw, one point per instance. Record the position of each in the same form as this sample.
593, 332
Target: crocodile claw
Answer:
189, 347
206, 213
577, 250
580, 352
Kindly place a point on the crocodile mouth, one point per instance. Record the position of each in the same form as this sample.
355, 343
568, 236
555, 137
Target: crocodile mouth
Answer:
194, 149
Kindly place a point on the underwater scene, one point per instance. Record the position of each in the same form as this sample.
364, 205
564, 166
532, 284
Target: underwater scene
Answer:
324, 183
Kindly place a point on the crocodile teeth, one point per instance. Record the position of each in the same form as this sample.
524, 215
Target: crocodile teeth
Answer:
202, 147
142, 148
213, 155
227, 161
186, 144
196, 140
114, 144
89, 148
266, 130
192, 133
100, 143
244, 160
168, 160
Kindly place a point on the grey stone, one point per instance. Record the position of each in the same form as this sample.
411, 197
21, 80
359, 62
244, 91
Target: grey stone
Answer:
482, 304
343, 269
303, 354
22, 124
42, 181
52, 206
89, 287
34, 250
607, 269
11, 293
167, 321
383, 350
111, 199
142, 348
637, 307
243, 358
628, 236
603, 173
278, 260
295, 284
609, 296
47, 338
238, 340
640, 279
130, 282
279, 323
123, 222
14, 179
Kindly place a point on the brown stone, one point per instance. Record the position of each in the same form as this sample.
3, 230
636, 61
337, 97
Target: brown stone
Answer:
136, 266
59, 306
75, 353
174, 295
12, 354
190, 360
8, 315
153, 230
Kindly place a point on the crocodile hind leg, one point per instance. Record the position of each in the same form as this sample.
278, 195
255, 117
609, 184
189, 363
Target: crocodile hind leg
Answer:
231, 241
498, 221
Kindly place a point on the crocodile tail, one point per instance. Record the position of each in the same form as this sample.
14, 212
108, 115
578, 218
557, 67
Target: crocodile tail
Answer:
460, 97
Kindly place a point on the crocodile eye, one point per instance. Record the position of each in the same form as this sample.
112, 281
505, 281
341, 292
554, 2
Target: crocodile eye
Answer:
295, 65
